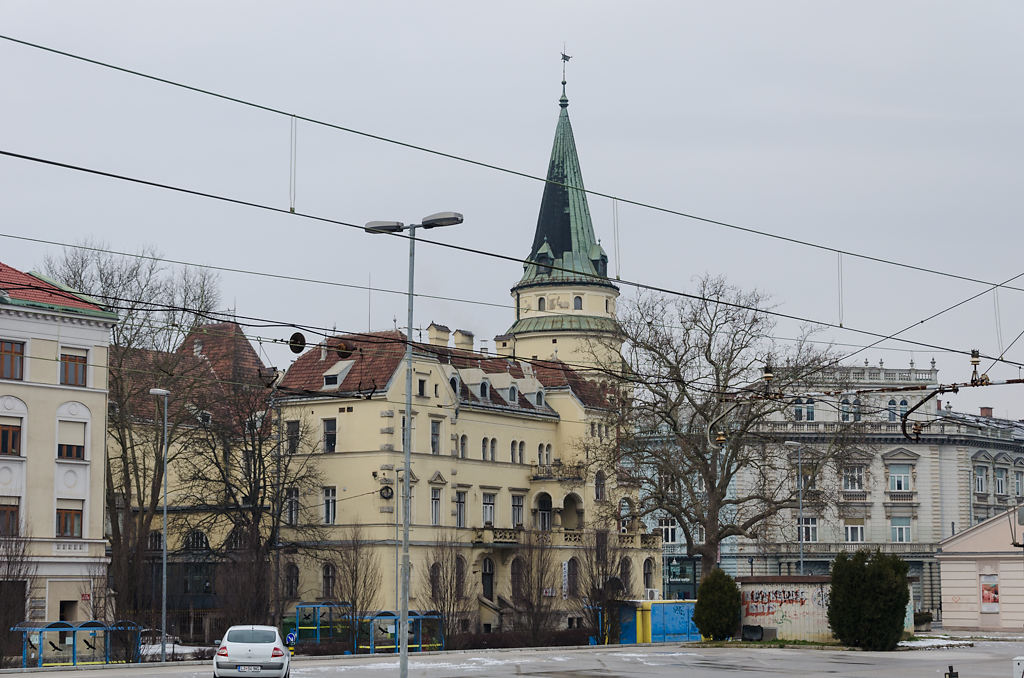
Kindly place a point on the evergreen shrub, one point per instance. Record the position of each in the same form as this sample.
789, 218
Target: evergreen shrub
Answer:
717, 612
868, 602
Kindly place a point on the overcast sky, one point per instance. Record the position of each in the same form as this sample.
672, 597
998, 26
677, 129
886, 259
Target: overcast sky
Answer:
892, 129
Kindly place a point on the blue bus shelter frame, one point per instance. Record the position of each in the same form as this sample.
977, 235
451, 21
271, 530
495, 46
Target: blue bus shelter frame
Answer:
28, 628
319, 609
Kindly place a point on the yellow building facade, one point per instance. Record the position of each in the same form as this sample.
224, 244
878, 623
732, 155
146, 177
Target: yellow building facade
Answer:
53, 400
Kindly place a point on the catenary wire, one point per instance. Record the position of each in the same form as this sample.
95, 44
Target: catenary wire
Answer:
498, 168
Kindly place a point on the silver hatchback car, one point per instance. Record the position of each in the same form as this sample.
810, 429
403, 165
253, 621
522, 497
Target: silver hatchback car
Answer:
251, 649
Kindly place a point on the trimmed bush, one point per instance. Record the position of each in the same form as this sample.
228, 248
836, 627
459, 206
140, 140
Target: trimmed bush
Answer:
869, 598
717, 612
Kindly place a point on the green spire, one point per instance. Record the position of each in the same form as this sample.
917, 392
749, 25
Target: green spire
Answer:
565, 235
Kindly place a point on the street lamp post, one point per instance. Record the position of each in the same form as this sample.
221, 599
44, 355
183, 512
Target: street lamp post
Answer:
800, 498
163, 393
432, 221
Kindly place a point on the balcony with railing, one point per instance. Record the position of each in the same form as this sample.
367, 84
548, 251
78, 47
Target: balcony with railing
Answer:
825, 548
558, 472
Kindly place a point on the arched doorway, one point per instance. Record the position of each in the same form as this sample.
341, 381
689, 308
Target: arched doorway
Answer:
487, 578
572, 512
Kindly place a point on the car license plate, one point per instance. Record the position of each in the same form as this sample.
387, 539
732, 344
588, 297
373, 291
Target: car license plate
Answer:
250, 669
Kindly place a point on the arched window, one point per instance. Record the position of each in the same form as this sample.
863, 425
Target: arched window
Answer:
892, 410
798, 410
156, 540
577, 303
626, 575
517, 579
515, 447
435, 582
484, 390
196, 540
810, 409
460, 577
844, 409
540, 398
624, 516
542, 304
606, 306
483, 449
235, 540
291, 581
903, 408
522, 452
599, 486
487, 578
463, 445
513, 395
573, 578
856, 409
455, 385
494, 449
329, 578
544, 512
540, 454
649, 573
547, 455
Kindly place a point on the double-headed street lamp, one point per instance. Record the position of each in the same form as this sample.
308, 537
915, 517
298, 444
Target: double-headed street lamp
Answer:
163, 393
433, 221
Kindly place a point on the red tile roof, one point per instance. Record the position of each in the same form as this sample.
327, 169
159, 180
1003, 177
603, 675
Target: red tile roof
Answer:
35, 289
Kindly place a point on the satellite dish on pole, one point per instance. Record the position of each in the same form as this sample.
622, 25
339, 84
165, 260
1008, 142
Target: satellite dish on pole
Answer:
297, 342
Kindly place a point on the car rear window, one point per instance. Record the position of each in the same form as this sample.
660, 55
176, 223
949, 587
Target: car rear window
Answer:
251, 636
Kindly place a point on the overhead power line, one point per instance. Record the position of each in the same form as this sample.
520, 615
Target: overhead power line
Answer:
499, 168
493, 255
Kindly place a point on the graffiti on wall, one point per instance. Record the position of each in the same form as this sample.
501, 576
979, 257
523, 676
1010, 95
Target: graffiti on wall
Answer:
788, 602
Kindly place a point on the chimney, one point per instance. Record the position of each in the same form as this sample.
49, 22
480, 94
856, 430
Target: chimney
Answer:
463, 340
438, 334
938, 404
986, 411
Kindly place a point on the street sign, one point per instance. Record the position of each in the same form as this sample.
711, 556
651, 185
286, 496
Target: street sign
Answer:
290, 638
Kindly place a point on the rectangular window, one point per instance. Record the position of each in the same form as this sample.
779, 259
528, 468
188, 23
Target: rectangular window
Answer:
853, 478
330, 505
854, 531
899, 478
435, 437
330, 435
809, 529
980, 478
12, 360
10, 525
10, 439
71, 440
292, 436
900, 530
460, 509
668, 530
517, 510
1018, 483
330, 380
1000, 481
421, 388
435, 506
69, 523
291, 506
488, 508
72, 369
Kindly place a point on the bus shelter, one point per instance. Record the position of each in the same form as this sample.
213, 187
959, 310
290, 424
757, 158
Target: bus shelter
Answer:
62, 643
319, 621
424, 632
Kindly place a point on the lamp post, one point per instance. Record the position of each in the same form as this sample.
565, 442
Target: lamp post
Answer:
432, 221
163, 393
800, 497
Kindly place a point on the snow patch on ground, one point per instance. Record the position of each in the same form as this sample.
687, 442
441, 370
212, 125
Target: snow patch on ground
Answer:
932, 643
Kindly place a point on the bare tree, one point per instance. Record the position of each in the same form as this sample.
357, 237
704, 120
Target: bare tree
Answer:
359, 580
443, 583
693, 415
157, 307
534, 585
16, 572
596, 586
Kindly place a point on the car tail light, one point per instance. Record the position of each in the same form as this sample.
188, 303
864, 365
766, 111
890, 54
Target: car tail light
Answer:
223, 651
278, 652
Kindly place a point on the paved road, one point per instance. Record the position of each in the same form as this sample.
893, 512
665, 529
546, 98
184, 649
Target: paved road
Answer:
984, 660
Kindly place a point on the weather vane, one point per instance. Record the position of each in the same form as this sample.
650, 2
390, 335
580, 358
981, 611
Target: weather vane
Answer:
565, 60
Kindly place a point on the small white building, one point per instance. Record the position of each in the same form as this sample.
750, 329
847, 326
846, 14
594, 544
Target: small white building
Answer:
982, 575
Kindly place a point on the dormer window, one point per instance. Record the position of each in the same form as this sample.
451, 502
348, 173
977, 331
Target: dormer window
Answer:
330, 380
513, 395
540, 398
484, 386
454, 383
204, 417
